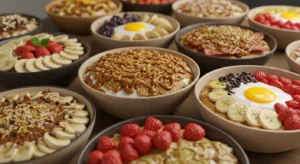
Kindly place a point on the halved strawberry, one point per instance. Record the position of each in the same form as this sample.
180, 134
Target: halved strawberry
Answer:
174, 129
285, 81
292, 123
296, 97
296, 82
263, 80
271, 78
280, 108
28, 48
19, 50
276, 83
293, 104
259, 74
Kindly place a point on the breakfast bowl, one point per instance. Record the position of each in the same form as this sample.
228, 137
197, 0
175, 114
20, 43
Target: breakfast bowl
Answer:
42, 59
213, 136
282, 22
189, 12
17, 25
134, 29
252, 103
293, 52
47, 124
209, 46
160, 6
77, 16
129, 82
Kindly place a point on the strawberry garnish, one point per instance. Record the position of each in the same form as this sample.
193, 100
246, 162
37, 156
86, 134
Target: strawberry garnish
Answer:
128, 153
280, 108
283, 115
292, 104
27, 55
174, 129
95, 157
56, 48
162, 140
125, 141
292, 123
50, 43
143, 144
130, 130
259, 74
193, 132
111, 157
149, 133
28, 48
296, 82
29, 42
105, 144
153, 124
42, 51
276, 83
271, 78
290, 89
285, 81
19, 50
296, 98
263, 80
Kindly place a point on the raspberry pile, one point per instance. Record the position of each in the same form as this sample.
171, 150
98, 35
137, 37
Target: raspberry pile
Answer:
136, 142
269, 20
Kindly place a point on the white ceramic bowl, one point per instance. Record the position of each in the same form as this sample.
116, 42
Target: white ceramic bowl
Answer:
294, 67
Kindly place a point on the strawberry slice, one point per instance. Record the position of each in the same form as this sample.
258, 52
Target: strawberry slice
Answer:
271, 78
293, 104
259, 74
276, 83
296, 82
285, 81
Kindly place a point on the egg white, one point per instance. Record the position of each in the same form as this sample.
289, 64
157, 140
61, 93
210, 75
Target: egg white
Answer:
278, 17
281, 96
122, 31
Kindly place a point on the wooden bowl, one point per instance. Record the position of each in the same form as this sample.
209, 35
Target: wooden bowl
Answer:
163, 8
75, 24
106, 43
251, 139
294, 67
129, 107
186, 19
283, 36
66, 153
212, 133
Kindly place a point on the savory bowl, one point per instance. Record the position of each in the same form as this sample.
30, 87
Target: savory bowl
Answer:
212, 133
125, 106
283, 36
76, 24
204, 61
107, 43
187, 19
61, 76
163, 8
263, 140
65, 153
290, 49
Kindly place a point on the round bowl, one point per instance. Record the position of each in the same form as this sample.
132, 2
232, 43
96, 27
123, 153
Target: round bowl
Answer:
205, 61
212, 133
66, 153
294, 67
164, 8
106, 43
74, 24
284, 37
35, 31
62, 76
186, 19
251, 139
128, 107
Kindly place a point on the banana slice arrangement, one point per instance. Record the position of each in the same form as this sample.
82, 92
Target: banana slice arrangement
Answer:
10, 62
61, 135
239, 112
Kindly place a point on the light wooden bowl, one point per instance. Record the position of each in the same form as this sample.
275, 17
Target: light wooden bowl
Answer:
186, 19
75, 24
294, 67
251, 139
284, 37
106, 43
128, 107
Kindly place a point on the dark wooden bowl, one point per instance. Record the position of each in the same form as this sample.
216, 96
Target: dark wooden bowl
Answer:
164, 8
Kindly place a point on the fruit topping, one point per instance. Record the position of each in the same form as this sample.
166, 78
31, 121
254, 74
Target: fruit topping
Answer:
128, 153
149, 133
148, 2
153, 124
125, 141
95, 157
130, 130
193, 132
143, 144
105, 144
111, 157
174, 129
27, 55
292, 122
162, 140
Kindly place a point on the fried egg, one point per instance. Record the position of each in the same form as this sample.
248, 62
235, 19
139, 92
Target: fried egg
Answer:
134, 28
287, 16
260, 95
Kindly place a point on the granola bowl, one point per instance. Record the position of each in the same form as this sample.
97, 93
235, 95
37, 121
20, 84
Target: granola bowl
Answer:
163, 8
292, 53
45, 140
188, 13
265, 139
69, 20
201, 51
123, 87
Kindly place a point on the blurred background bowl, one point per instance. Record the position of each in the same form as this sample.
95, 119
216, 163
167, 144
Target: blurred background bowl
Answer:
294, 67
163, 8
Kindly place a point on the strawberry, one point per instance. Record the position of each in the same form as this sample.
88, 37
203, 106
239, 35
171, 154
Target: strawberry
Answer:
19, 50
143, 144
27, 55
292, 123
111, 157
130, 130
95, 157
50, 43
285, 81
259, 74
42, 51
153, 124
279, 108
296, 82
290, 89
105, 144
276, 83
174, 129
297, 89
29, 42
292, 104
271, 78
55, 48
296, 98
263, 80
28, 48
283, 115
149, 133
162, 140
193, 132
125, 141
128, 153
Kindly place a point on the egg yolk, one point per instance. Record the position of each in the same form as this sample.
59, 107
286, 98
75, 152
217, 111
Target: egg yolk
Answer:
135, 27
260, 95
290, 16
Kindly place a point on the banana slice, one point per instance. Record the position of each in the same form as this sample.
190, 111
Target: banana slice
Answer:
55, 143
75, 128
75, 48
51, 95
214, 96
56, 58
39, 64
65, 55
79, 113
252, 115
145, 18
214, 90
30, 65
75, 106
126, 37
63, 135
116, 36
36, 152
9, 45
9, 152
153, 18
72, 52
217, 85
35, 95
61, 38
24, 94
12, 97
51, 37
49, 63
162, 32
44, 148
237, 112
65, 100
76, 120
268, 119
20, 66
25, 152
7, 63
161, 20
26, 38
72, 44
5, 53
167, 27
152, 35
139, 37
223, 103
74, 40
17, 42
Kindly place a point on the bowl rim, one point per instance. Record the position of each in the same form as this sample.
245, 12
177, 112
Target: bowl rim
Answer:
93, 108
136, 4
47, 9
191, 27
239, 3
97, 56
95, 33
96, 136
85, 44
196, 95
251, 19
297, 42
